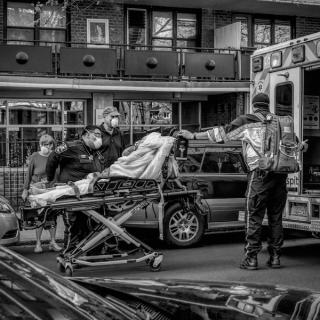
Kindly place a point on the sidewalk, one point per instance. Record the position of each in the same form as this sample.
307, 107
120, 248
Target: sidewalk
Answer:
28, 237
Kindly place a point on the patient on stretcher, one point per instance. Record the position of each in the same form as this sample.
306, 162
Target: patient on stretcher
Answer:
144, 161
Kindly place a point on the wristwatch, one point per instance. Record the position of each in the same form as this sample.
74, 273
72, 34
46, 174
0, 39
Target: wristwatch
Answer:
194, 136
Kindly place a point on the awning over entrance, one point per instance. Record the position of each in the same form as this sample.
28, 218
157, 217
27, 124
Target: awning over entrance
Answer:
99, 85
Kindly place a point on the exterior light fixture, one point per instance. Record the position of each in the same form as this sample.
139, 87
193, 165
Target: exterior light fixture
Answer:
298, 54
48, 92
276, 59
257, 64
177, 95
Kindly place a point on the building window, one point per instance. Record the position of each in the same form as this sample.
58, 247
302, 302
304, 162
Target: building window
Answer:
162, 29
177, 29
261, 32
22, 123
168, 28
27, 25
282, 31
186, 30
137, 27
244, 31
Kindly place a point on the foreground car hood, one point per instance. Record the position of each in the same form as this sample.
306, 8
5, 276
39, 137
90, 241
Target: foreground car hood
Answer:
217, 300
34, 292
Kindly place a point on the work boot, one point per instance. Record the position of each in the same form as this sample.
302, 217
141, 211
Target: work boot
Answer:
249, 263
274, 261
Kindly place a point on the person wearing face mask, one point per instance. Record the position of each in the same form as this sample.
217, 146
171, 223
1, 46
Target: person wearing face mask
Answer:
37, 173
112, 139
76, 159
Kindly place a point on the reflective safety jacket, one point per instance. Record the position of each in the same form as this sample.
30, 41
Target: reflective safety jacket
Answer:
246, 128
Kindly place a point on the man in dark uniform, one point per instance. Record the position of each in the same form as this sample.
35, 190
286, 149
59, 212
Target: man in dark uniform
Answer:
266, 191
76, 159
112, 139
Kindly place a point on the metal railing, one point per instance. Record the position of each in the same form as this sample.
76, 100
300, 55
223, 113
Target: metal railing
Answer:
240, 60
14, 167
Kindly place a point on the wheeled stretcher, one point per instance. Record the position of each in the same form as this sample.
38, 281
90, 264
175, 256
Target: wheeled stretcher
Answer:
122, 195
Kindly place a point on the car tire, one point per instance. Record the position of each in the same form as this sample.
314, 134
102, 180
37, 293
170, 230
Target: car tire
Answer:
182, 229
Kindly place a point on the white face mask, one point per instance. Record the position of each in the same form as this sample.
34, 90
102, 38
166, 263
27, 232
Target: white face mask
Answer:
114, 122
97, 143
44, 150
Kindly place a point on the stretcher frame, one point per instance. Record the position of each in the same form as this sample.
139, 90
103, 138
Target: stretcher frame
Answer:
108, 226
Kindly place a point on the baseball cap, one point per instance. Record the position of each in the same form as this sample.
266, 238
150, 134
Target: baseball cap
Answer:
261, 100
111, 110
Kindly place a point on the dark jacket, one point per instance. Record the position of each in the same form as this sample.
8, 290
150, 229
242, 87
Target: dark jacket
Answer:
75, 161
112, 145
242, 120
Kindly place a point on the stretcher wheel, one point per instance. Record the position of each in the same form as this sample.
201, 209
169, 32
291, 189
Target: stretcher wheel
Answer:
60, 264
60, 267
155, 263
69, 271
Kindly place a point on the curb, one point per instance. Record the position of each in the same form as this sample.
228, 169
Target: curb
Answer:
33, 242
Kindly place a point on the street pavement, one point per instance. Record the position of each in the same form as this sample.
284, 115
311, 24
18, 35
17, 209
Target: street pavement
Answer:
217, 258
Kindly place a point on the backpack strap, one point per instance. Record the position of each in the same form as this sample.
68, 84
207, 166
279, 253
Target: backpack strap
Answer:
260, 116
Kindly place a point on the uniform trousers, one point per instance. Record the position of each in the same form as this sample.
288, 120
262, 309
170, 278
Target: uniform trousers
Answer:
266, 194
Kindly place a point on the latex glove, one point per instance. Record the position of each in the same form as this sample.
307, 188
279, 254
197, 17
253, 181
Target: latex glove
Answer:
185, 134
304, 146
25, 194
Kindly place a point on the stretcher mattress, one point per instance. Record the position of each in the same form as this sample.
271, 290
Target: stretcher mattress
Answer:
143, 163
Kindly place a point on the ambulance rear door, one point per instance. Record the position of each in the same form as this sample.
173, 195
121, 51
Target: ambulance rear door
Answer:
286, 90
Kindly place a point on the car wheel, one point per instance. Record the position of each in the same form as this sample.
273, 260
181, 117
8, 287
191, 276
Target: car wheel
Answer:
182, 228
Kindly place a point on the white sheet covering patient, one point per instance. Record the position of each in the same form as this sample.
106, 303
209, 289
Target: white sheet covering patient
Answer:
143, 163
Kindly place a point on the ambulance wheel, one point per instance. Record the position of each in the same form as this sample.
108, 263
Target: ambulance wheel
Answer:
182, 228
69, 271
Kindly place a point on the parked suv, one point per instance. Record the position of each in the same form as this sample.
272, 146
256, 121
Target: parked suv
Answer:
219, 172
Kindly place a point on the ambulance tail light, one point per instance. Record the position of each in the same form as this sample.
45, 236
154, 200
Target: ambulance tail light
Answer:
257, 64
298, 54
318, 49
315, 211
276, 59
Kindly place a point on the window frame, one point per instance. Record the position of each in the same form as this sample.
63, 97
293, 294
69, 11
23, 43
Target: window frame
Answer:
36, 28
127, 24
174, 11
280, 84
272, 18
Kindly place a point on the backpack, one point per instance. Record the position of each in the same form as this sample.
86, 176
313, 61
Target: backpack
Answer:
280, 148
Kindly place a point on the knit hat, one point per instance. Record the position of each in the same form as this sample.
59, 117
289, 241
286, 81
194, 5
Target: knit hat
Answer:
261, 101
110, 110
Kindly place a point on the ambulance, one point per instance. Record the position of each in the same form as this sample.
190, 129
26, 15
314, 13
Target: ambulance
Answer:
289, 73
